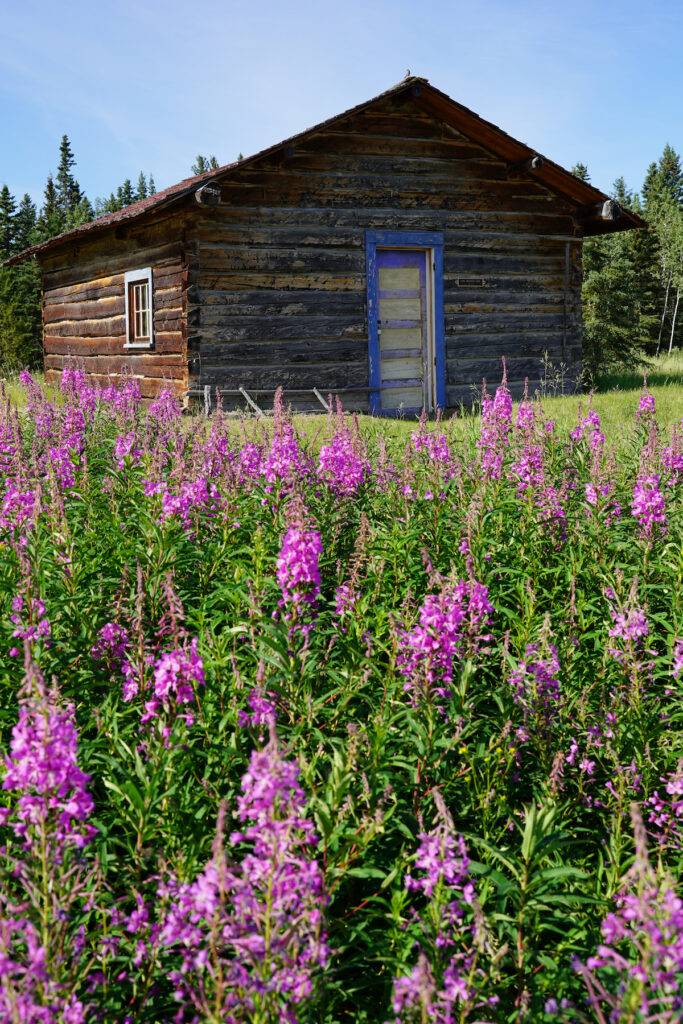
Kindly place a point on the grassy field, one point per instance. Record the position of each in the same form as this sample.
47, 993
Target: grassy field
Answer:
615, 399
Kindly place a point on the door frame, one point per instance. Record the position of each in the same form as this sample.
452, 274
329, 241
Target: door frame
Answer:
430, 242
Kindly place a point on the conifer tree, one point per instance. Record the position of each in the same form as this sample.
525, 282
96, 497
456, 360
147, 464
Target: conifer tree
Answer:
151, 187
8, 208
581, 171
50, 222
25, 223
125, 194
69, 194
142, 188
203, 164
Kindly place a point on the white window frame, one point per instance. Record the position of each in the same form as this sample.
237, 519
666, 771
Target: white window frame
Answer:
143, 276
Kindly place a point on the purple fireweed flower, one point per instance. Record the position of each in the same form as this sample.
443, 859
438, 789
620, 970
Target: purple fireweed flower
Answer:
285, 461
638, 968
345, 597
535, 685
646, 407
17, 507
194, 496
59, 462
451, 626
112, 644
648, 506
249, 463
165, 408
590, 428
126, 449
665, 811
671, 457
496, 423
175, 677
340, 466
250, 934
298, 570
263, 711
28, 995
677, 667
52, 802
29, 616
446, 989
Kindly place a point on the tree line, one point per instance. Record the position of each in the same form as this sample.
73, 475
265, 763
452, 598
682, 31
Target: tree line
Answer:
65, 206
632, 281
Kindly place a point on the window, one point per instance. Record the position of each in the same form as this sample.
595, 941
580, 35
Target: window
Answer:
139, 328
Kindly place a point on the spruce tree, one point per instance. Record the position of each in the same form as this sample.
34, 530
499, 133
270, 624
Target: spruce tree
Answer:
25, 223
8, 209
142, 188
579, 171
203, 164
51, 222
151, 187
125, 194
69, 194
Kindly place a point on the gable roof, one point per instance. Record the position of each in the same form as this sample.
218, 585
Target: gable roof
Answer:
470, 124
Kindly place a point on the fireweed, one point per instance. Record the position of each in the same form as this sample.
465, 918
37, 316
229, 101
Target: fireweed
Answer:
452, 625
42, 961
448, 983
101, 497
637, 971
249, 935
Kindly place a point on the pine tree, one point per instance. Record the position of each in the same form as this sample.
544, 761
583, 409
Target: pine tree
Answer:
125, 194
151, 187
51, 222
8, 209
581, 171
142, 190
25, 223
203, 164
69, 194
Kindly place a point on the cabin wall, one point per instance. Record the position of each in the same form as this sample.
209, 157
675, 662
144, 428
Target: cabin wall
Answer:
278, 290
84, 307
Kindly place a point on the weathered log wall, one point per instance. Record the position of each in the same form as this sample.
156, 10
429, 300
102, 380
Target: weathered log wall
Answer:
278, 289
84, 306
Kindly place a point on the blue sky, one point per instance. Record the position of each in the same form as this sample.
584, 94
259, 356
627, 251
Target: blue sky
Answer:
147, 85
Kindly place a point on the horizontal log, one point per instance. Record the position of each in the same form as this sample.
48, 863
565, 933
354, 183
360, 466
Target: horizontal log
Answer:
241, 236
324, 377
316, 281
233, 328
368, 143
216, 305
487, 322
491, 346
389, 218
273, 353
136, 364
322, 260
171, 342
149, 387
114, 326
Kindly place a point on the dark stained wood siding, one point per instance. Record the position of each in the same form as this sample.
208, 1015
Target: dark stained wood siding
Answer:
278, 290
84, 312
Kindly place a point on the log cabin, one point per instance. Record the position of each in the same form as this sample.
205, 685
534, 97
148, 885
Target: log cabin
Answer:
393, 255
